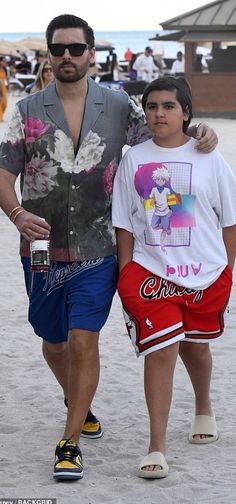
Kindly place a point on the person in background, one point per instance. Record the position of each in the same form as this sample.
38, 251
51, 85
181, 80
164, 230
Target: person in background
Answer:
145, 66
158, 54
62, 140
115, 68
174, 296
178, 65
128, 57
43, 77
24, 67
39, 58
132, 72
94, 69
3, 87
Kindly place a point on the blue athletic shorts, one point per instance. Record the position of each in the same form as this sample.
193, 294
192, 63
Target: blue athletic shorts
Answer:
71, 295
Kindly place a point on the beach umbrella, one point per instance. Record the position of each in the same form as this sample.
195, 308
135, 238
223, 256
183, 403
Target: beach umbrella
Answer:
34, 43
103, 45
8, 48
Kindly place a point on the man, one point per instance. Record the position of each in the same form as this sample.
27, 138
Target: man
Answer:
145, 66
24, 67
66, 142
128, 55
178, 65
39, 58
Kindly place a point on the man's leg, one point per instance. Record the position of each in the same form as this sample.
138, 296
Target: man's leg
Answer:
158, 382
198, 362
56, 356
83, 376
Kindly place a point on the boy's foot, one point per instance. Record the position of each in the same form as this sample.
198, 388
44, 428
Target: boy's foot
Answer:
203, 430
68, 461
154, 465
92, 428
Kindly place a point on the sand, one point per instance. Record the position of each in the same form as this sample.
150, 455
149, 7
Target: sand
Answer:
32, 413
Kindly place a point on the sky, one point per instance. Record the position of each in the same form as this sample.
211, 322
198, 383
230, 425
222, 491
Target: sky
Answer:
102, 15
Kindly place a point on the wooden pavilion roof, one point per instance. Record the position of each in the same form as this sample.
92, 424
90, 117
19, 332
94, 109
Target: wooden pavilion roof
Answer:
213, 16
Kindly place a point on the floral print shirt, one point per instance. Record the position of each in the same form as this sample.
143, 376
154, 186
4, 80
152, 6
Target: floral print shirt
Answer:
71, 190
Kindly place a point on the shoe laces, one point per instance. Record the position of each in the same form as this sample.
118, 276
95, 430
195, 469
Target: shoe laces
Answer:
90, 417
68, 451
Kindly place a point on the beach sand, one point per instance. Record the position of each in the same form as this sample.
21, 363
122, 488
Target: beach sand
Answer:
32, 413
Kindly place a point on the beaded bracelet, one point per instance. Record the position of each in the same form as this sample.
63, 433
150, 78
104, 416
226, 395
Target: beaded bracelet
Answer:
12, 212
16, 215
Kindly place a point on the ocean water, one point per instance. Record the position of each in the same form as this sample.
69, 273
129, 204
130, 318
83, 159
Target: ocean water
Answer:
135, 40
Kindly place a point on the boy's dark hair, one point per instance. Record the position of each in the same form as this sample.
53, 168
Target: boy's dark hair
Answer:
70, 21
183, 94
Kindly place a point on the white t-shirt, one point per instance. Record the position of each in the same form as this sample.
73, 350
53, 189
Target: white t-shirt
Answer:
177, 67
145, 67
186, 246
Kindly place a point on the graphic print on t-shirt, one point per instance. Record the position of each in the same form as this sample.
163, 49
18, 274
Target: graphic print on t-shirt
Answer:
165, 189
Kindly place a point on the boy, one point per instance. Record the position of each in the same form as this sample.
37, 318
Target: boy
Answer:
175, 266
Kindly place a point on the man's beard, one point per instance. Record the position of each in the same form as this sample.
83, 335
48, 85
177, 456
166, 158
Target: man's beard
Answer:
70, 77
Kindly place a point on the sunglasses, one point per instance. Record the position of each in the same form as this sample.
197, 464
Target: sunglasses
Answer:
74, 49
47, 69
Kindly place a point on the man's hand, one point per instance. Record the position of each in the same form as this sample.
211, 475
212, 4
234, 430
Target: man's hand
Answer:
207, 138
32, 227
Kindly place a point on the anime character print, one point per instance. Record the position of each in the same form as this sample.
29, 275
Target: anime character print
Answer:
165, 189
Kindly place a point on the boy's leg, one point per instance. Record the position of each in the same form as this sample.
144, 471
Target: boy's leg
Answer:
198, 362
157, 338
158, 382
204, 318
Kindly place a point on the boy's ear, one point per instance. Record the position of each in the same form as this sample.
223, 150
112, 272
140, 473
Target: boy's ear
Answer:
186, 112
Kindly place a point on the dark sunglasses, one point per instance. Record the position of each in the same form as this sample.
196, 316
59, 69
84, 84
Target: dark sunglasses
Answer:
74, 49
47, 69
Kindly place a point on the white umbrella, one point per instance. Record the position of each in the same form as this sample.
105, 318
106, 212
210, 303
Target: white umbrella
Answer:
8, 48
103, 45
34, 43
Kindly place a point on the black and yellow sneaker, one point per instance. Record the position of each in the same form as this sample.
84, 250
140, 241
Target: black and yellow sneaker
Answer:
68, 461
92, 428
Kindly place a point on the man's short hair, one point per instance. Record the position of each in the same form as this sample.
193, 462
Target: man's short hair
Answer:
148, 49
70, 21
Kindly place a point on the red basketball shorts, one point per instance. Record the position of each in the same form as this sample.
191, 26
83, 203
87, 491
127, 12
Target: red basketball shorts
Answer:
158, 312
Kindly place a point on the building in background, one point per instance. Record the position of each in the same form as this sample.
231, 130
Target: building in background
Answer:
209, 37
